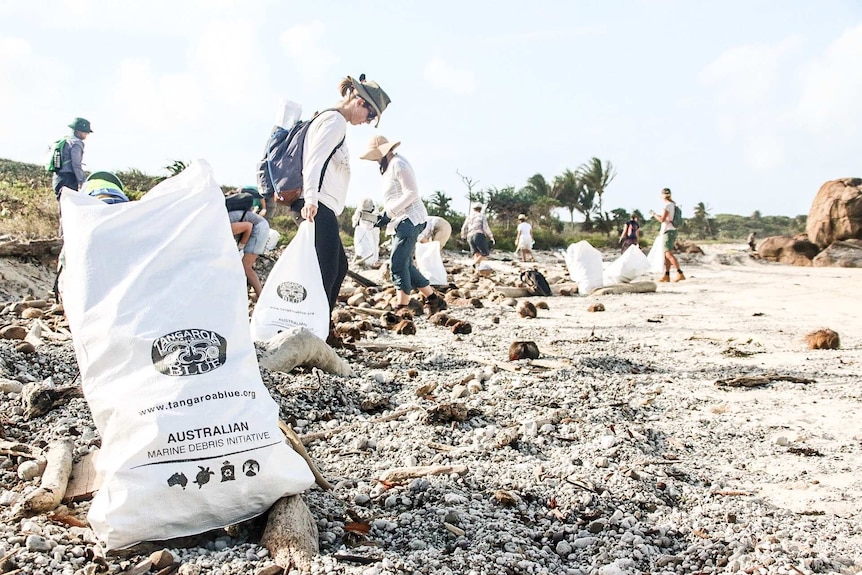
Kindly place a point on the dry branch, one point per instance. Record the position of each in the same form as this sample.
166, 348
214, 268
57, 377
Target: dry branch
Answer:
759, 380
404, 473
634, 287
54, 480
296, 443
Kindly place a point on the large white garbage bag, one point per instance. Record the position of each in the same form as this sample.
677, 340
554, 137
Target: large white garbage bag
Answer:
656, 255
585, 266
430, 263
293, 294
156, 299
627, 267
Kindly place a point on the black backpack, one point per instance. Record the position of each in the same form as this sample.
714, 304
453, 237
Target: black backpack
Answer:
280, 169
243, 201
536, 282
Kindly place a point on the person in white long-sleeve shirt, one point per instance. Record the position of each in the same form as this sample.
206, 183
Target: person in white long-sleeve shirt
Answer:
324, 191
408, 217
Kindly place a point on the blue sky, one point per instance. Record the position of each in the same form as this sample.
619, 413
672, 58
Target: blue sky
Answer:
743, 105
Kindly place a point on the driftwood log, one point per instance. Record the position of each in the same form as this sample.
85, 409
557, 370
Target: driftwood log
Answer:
633, 287
404, 473
39, 397
291, 534
54, 479
35, 248
759, 380
298, 447
300, 347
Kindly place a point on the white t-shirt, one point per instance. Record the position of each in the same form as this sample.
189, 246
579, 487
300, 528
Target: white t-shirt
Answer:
668, 224
526, 240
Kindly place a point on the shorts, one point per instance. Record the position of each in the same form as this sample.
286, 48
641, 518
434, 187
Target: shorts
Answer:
259, 231
479, 244
669, 240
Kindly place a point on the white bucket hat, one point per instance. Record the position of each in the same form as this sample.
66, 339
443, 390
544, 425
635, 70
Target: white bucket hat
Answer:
378, 148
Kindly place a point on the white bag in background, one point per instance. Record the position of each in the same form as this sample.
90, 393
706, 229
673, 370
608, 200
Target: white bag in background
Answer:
156, 300
627, 267
272, 240
656, 255
430, 263
366, 243
293, 294
585, 266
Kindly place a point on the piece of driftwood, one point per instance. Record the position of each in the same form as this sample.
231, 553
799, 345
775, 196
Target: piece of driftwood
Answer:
633, 287
31, 247
300, 347
291, 534
404, 473
759, 380
84, 480
19, 450
511, 291
40, 397
297, 445
372, 346
54, 480
373, 312
360, 279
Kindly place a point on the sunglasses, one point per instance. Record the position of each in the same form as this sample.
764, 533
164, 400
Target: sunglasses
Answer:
371, 112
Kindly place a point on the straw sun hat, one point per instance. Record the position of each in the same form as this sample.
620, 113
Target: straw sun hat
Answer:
378, 148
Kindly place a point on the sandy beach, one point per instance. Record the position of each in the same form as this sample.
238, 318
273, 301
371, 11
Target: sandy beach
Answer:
618, 452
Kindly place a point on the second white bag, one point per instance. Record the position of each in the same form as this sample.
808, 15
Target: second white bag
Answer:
656, 255
585, 266
430, 263
627, 267
293, 294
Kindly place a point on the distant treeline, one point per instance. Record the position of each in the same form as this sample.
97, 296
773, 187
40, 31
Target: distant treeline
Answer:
25, 192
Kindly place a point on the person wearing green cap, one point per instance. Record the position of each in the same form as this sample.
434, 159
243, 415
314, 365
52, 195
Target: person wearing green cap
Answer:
324, 191
71, 172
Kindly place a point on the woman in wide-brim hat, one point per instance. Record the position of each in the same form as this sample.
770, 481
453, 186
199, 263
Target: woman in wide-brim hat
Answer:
326, 173
409, 217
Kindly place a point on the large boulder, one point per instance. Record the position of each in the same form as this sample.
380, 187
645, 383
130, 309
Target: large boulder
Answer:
844, 254
836, 212
797, 251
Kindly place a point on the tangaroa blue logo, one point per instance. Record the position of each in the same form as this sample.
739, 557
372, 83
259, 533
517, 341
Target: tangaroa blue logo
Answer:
189, 352
291, 292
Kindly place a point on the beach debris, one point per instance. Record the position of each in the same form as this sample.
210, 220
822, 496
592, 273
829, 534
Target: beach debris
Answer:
823, 339
446, 412
523, 350
300, 347
633, 287
596, 307
526, 309
760, 380
52, 486
40, 397
13, 332
405, 327
541, 304
400, 474
804, 451
291, 534
461, 327
298, 447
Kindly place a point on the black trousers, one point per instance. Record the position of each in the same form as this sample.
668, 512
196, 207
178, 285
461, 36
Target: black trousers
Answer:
330, 250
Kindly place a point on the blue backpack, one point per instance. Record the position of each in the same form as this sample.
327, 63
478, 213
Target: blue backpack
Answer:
280, 169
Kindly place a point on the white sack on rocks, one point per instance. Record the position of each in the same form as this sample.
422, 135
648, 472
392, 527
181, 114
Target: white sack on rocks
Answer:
156, 300
627, 267
656, 255
430, 263
585, 266
293, 294
366, 243
298, 346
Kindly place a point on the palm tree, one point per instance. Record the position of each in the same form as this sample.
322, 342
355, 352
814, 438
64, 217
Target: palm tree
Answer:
537, 186
567, 190
439, 204
597, 177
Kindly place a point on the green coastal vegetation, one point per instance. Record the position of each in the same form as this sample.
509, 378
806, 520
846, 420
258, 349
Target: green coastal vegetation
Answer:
570, 207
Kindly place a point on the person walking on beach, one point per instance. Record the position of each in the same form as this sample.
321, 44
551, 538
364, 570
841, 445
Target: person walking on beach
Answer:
752, 239
668, 233
408, 215
324, 191
477, 232
71, 171
524, 238
631, 235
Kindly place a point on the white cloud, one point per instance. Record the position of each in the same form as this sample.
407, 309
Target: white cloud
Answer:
443, 76
749, 75
228, 56
303, 44
832, 87
163, 103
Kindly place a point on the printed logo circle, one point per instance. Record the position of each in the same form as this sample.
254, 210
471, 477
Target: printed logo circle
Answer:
291, 292
189, 352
